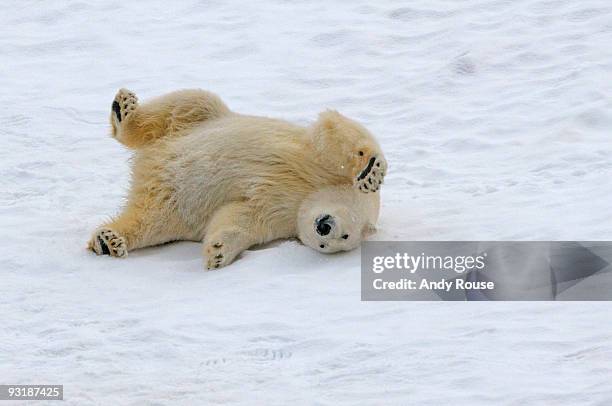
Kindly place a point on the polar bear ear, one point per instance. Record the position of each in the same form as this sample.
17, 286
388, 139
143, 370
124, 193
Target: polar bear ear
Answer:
330, 120
330, 132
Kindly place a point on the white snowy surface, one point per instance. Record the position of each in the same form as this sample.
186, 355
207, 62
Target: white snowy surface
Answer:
495, 117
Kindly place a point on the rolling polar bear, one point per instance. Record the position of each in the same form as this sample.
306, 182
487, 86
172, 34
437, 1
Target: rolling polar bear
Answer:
201, 172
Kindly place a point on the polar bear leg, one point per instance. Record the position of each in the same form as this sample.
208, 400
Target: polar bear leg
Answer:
230, 231
135, 228
136, 125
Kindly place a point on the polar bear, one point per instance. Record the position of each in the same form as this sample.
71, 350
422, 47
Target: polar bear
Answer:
202, 172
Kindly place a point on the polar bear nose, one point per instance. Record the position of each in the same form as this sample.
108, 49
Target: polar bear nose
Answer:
324, 224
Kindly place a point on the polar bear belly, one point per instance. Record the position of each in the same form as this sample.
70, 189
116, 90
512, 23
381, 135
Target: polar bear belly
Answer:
217, 164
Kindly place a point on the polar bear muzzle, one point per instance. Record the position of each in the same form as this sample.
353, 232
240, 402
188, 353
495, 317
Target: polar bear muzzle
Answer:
324, 224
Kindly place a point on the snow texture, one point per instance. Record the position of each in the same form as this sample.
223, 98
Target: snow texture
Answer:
495, 117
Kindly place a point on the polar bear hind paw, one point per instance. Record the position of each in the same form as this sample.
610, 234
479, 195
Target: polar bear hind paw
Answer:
123, 107
372, 176
107, 242
124, 104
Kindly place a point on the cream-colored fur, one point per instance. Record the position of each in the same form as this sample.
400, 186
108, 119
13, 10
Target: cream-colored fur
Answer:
203, 172
352, 216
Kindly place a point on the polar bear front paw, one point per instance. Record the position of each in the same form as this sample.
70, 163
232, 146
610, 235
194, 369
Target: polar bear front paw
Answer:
107, 242
220, 250
372, 175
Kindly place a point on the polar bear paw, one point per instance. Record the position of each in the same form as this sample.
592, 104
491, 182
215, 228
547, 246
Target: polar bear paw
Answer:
220, 250
107, 242
372, 175
123, 106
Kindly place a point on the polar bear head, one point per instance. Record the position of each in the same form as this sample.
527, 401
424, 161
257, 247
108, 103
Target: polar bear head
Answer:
337, 218
344, 146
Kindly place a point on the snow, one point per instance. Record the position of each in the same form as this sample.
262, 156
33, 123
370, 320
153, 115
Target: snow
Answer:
495, 119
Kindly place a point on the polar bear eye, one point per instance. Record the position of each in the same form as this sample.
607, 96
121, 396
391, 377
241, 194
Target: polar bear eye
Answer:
345, 236
322, 246
360, 153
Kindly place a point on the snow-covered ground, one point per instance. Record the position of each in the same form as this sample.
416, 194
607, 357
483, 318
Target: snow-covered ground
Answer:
495, 117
